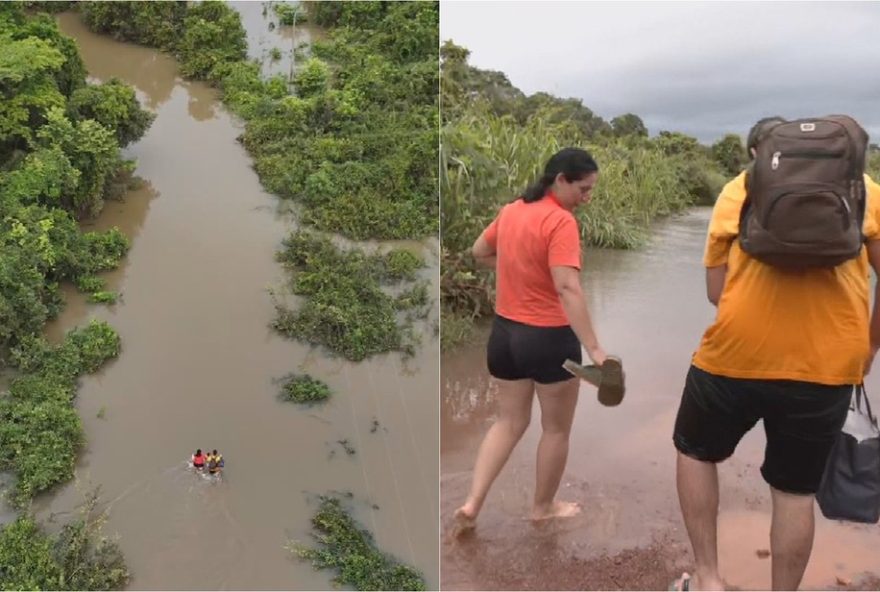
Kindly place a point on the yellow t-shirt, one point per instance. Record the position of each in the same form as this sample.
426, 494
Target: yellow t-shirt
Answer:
810, 326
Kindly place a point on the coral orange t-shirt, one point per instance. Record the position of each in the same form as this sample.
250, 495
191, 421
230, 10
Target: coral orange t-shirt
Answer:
810, 326
529, 239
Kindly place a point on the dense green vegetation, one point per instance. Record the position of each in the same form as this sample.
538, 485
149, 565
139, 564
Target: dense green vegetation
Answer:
346, 308
302, 388
40, 432
495, 141
349, 550
60, 159
352, 137
79, 558
289, 14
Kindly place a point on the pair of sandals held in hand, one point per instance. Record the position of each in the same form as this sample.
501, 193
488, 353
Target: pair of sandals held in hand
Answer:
608, 377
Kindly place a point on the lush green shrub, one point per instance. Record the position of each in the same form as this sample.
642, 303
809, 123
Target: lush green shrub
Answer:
79, 558
213, 35
290, 14
304, 389
71, 75
346, 309
158, 24
40, 432
112, 104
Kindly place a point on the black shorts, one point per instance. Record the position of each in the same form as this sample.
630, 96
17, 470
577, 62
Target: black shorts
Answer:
518, 351
801, 420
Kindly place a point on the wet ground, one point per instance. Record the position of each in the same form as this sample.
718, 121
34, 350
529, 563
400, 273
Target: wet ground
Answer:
649, 307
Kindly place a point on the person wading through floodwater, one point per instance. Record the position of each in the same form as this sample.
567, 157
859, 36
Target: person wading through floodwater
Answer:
541, 321
790, 247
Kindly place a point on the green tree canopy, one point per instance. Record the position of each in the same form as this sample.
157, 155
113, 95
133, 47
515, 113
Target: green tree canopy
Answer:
730, 153
628, 124
113, 105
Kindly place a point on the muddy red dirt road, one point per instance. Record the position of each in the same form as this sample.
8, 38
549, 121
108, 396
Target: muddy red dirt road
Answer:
649, 307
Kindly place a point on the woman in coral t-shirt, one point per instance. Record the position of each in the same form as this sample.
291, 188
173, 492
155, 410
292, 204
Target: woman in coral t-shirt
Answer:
541, 320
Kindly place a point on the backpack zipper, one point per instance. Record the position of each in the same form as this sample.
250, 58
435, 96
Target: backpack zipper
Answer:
774, 161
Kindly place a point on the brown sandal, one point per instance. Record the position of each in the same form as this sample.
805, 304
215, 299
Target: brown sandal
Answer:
609, 378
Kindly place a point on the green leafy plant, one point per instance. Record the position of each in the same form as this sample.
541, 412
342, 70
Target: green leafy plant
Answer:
302, 388
80, 557
346, 309
349, 550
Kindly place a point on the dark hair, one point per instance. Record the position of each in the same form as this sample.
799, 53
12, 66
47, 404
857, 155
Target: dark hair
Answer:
198, 451
760, 129
215, 451
573, 163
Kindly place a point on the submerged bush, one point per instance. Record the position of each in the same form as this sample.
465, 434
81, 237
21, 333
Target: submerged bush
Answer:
346, 309
349, 550
289, 14
80, 557
40, 432
304, 389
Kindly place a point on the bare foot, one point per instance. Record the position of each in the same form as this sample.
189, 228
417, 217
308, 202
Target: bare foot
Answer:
463, 522
557, 510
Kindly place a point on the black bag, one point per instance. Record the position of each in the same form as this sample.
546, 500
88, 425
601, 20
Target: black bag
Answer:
850, 488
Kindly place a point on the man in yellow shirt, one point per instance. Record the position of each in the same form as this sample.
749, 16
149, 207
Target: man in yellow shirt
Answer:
785, 347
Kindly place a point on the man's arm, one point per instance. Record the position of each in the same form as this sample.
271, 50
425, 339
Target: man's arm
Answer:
873, 248
715, 282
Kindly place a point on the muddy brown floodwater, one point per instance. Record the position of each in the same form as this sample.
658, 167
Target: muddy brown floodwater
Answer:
649, 306
198, 364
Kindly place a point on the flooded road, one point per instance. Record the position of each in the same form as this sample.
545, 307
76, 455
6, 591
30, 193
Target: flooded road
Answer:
198, 369
650, 307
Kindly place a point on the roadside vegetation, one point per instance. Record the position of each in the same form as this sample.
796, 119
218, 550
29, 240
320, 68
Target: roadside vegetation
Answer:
495, 141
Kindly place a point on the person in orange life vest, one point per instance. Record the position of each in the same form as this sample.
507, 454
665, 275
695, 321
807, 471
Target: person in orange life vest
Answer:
541, 320
199, 460
215, 462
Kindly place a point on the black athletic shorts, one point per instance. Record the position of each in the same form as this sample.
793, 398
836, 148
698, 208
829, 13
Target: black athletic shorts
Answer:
801, 420
517, 351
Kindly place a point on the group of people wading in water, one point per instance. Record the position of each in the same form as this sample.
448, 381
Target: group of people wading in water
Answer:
792, 336
212, 461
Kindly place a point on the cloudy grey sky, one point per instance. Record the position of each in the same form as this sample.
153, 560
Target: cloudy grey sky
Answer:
706, 68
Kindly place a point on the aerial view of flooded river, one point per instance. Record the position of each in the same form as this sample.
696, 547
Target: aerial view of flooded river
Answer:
200, 365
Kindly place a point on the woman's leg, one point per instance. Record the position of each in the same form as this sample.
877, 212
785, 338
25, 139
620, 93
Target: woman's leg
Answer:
514, 414
558, 401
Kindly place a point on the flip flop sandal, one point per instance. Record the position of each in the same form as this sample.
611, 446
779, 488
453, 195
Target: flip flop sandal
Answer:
609, 378
587, 372
612, 388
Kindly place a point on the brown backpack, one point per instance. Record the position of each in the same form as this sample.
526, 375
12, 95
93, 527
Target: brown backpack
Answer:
805, 194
